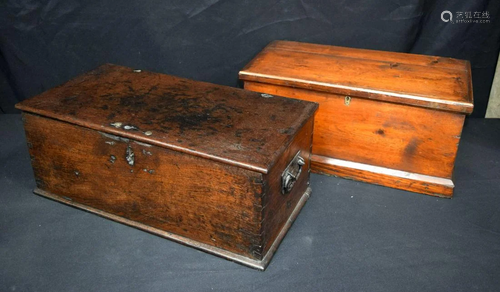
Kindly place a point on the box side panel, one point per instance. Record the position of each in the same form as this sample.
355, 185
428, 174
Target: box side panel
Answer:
394, 136
278, 207
206, 201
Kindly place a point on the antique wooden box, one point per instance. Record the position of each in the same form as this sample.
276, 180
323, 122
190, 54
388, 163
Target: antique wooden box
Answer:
386, 118
221, 169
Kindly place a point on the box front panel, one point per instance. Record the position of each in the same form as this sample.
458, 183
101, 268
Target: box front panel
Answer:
402, 137
208, 202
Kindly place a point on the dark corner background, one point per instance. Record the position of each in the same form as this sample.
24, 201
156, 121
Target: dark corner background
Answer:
45, 43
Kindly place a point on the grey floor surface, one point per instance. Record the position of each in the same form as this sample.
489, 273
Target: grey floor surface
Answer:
350, 236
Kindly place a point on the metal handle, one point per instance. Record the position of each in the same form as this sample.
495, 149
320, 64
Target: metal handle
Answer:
291, 173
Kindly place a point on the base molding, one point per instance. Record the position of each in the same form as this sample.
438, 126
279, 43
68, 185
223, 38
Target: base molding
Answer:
413, 182
256, 264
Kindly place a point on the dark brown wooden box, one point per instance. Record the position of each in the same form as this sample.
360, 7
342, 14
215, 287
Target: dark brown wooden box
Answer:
386, 118
221, 169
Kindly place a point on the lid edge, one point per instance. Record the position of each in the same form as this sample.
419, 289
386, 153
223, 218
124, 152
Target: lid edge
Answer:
137, 137
408, 99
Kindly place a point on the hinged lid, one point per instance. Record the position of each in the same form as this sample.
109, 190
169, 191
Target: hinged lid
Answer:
221, 123
425, 81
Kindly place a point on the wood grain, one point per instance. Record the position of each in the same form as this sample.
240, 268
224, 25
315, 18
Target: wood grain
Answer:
202, 119
425, 81
396, 136
364, 54
193, 162
277, 208
424, 184
206, 201
387, 118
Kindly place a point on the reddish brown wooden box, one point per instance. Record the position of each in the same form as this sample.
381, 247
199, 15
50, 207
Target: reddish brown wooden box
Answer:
386, 118
201, 164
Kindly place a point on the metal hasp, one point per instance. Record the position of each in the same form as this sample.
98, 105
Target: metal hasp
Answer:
291, 173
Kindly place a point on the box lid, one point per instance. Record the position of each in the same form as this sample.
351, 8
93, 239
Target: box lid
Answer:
418, 80
221, 123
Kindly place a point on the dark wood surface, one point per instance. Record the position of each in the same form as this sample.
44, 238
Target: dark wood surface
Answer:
277, 209
206, 201
426, 81
222, 209
350, 236
217, 122
220, 201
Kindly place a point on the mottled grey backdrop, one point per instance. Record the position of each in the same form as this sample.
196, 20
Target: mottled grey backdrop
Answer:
45, 43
